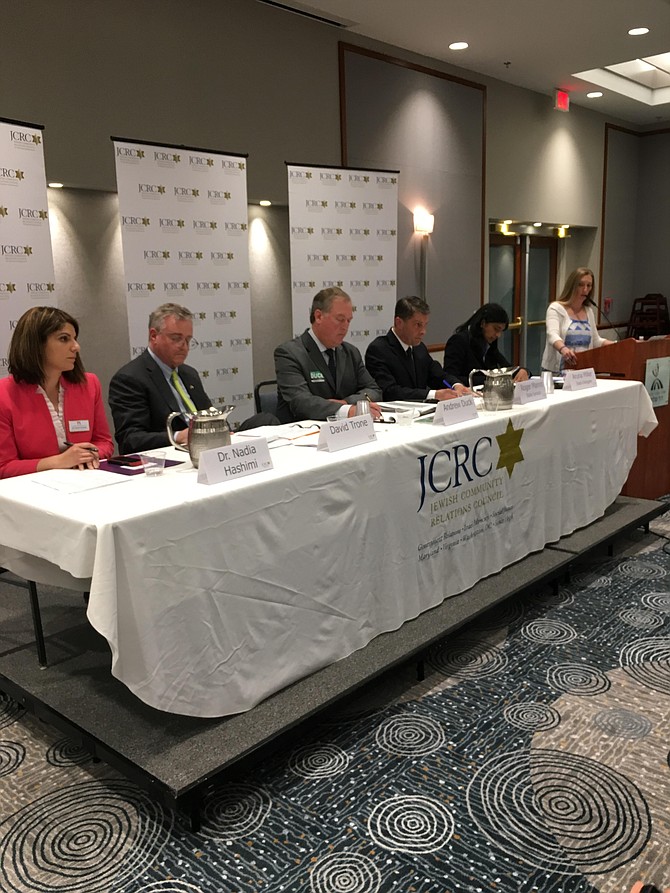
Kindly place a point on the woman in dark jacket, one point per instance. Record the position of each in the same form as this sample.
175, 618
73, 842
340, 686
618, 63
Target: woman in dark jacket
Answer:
473, 346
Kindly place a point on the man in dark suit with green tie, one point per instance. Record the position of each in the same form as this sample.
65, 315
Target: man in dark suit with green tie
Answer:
144, 392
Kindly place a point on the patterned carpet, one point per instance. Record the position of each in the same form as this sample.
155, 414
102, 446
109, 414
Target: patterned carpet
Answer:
533, 757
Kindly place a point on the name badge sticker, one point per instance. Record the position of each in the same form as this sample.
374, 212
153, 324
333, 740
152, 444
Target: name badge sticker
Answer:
315, 375
346, 433
79, 425
234, 461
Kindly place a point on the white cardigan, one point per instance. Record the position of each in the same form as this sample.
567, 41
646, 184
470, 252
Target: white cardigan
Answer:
558, 323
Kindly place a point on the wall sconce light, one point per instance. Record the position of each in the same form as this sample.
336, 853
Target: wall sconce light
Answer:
562, 231
423, 221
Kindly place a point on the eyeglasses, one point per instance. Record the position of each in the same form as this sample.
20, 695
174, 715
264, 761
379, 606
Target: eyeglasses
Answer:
178, 339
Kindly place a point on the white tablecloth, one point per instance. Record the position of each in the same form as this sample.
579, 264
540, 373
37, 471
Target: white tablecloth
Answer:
213, 597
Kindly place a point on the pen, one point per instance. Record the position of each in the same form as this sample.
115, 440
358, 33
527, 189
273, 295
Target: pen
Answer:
91, 449
447, 385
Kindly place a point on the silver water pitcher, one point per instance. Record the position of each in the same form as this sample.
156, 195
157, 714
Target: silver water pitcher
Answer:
498, 391
207, 429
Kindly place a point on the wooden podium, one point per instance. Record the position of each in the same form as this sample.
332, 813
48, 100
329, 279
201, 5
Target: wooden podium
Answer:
649, 477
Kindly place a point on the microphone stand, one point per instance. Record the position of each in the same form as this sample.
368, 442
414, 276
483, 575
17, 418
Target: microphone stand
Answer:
607, 319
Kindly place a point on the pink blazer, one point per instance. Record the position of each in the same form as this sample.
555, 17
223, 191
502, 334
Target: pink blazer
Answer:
27, 433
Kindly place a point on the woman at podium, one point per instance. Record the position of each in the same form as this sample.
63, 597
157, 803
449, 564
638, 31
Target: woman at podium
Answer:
571, 322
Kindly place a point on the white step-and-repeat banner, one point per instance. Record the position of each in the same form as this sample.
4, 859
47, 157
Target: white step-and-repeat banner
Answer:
26, 259
344, 232
184, 230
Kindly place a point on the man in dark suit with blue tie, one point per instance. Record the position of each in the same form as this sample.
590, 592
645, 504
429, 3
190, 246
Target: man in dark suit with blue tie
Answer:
318, 373
400, 363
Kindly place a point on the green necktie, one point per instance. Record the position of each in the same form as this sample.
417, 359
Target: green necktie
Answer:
181, 390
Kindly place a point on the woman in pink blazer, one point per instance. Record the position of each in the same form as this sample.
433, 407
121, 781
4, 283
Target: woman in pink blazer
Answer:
51, 410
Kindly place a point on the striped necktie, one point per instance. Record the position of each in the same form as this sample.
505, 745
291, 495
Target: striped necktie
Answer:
181, 390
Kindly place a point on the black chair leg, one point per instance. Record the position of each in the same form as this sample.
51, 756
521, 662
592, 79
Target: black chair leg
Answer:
37, 624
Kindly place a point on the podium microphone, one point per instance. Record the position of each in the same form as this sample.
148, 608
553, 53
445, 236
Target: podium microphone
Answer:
590, 301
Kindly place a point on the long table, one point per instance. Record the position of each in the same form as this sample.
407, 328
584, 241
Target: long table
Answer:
214, 596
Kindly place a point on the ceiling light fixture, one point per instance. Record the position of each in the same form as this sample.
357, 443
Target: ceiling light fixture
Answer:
55, 185
636, 32
458, 45
265, 203
538, 224
596, 94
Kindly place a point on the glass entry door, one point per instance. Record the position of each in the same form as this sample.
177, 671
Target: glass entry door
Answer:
522, 278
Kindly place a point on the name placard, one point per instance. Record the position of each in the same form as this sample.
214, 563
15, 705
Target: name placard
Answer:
579, 379
234, 461
346, 433
450, 412
529, 391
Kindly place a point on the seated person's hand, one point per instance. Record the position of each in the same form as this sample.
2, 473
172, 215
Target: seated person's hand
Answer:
375, 411
521, 375
457, 390
80, 455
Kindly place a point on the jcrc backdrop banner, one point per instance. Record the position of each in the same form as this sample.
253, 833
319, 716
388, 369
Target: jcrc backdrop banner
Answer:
26, 260
344, 232
184, 230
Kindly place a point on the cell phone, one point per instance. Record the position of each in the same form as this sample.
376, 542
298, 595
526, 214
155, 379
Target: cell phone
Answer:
133, 461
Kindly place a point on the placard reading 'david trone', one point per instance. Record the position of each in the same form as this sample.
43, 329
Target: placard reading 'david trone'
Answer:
346, 433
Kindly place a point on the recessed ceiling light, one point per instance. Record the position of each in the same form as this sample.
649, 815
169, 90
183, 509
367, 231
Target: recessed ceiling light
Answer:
55, 185
265, 203
459, 45
595, 95
507, 222
636, 32
539, 223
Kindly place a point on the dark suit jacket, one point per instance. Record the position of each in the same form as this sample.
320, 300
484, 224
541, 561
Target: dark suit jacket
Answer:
141, 400
399, 380
304, 382
462, 354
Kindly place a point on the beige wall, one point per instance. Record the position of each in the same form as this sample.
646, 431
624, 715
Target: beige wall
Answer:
238, 76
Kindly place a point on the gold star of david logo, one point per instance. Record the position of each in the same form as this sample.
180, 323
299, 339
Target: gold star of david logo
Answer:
3, 211
510, 450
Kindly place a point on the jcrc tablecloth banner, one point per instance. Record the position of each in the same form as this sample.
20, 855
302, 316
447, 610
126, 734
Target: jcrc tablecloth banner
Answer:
344, 232
212, 598
184, 231
26, 259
